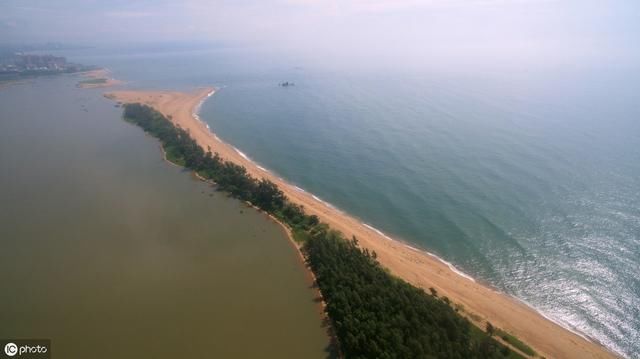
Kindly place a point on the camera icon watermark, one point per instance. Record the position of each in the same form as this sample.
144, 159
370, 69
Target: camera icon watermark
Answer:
11, 349
25, 348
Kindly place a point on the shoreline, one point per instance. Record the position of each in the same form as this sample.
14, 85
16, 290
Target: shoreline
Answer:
418, 267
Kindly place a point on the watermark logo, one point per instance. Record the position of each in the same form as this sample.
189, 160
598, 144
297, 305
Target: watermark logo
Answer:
11, 349
26, 348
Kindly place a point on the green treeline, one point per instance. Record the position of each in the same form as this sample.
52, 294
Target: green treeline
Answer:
95, 81
374, 314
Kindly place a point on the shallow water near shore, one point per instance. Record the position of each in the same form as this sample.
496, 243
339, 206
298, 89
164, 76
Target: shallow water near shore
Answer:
113, 253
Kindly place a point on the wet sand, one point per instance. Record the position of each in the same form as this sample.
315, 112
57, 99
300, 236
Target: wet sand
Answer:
415, 266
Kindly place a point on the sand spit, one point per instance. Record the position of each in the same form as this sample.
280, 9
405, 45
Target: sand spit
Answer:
418, 267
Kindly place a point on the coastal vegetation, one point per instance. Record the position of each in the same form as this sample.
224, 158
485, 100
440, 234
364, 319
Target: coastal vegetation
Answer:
95, 81
376, 315
373, 313
523, 347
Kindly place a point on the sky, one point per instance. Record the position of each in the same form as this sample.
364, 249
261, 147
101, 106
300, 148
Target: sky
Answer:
412, 32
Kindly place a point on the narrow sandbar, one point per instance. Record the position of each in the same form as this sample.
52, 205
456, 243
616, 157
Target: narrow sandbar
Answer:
420, 268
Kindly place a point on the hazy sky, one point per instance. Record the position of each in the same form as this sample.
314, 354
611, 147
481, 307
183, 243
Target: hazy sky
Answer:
552, 32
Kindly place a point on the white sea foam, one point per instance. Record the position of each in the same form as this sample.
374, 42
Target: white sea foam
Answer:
452, 267
412, 248
262, 168
377, 231
298, 189
551, 319
196, 110
242, 154
322, 201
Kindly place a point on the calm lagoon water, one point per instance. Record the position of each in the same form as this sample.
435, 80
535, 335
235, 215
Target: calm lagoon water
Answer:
528, 180
113, 253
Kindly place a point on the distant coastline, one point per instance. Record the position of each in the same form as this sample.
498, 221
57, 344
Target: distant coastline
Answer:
418, 267
20, 66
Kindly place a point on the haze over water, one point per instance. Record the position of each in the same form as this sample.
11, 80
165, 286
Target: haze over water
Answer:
527, 180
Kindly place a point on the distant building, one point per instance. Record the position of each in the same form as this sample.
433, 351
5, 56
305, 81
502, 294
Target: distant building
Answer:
20, 63
40, 62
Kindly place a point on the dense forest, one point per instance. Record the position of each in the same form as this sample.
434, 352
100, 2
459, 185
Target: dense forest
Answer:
374, 314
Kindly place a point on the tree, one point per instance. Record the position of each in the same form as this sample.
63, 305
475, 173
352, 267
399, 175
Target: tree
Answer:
268, 196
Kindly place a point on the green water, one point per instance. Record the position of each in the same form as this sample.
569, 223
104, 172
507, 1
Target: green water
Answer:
113, 253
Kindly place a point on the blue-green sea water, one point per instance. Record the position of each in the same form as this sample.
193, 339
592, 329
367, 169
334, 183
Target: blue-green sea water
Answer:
526, 180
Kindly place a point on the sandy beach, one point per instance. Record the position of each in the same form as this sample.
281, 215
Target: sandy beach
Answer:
417, 267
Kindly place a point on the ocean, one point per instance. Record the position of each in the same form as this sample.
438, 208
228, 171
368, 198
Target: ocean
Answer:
526, 180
